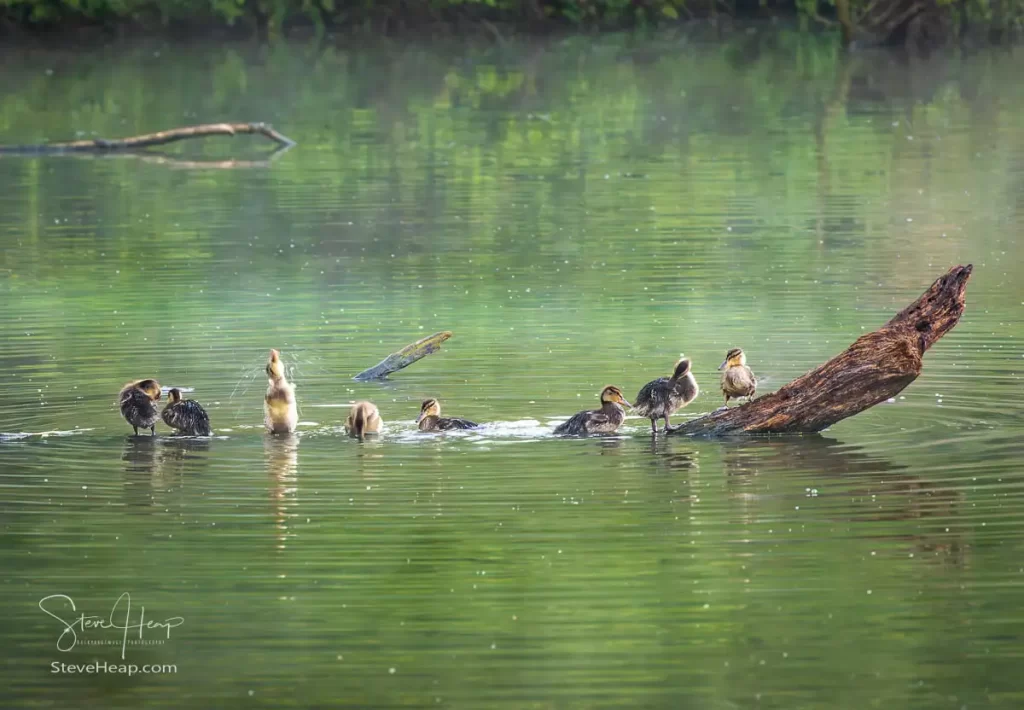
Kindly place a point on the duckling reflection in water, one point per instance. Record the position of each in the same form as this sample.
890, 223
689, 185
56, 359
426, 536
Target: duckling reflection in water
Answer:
737, 379
137, 401
430, 419
280, 414
598, 421
185, 416
363, 419
663, 396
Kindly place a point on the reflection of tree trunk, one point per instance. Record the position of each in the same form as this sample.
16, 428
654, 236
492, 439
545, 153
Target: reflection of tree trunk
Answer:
843, 13
877, 489
876, 367
832, 110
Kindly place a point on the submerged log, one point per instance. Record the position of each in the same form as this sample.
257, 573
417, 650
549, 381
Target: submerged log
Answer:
405, 357
876, 367
99, 145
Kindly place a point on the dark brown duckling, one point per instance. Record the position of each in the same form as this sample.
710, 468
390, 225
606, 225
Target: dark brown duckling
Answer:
737, 379
662, 397
430, 419
138, 404
598, 421
185, 416
364, 418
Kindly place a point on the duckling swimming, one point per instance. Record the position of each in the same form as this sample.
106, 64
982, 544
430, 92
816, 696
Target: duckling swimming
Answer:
186, 416
598, 421
430, 419
663, 396
737, 379
363, 419
280, 414
138, 404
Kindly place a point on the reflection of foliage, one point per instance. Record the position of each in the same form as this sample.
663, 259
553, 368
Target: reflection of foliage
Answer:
273, 15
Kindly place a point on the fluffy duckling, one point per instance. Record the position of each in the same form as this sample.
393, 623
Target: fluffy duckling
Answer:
737, 379
138, 404
598, 421
186, 416
280, 414
430, 419
363, 419
665, 395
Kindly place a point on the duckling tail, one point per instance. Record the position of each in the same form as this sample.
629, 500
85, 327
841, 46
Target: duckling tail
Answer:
359, 423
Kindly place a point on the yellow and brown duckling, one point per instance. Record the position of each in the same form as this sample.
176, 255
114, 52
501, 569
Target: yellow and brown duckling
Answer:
737, 379
137, 401
280, 414
363, 419
662, 397
430, 419
598, 421
185, 416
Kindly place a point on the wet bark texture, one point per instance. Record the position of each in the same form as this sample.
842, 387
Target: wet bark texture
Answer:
405, 357
876, 367
98, 145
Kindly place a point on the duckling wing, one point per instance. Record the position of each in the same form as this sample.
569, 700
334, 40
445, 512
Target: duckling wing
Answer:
652, 398
137, 408
447, 423
188, 417
577, 423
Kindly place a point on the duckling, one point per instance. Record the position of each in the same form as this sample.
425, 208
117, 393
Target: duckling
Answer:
665, 395
430, 419
598, 421
363, 419
138, 404
186, 416
280, 414
737, 379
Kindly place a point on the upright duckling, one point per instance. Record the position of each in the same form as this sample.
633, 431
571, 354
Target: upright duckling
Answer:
363, 419
737, 379
186, 416
665, 395
598, 421
138, 404
280, 414
430, 419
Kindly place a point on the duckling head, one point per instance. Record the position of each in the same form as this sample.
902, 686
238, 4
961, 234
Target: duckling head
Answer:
682, 367
150, 387
611, 393
174, 394
275, 368
733, 358
429, 408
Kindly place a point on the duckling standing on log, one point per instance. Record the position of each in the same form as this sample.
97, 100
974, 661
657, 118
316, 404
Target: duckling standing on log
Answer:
138, 404
430, 419
185, 416
737, 379
662, 397
363, 419
280, 414
598, 421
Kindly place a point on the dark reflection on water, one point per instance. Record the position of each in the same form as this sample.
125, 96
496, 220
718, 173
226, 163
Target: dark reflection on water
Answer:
579, 211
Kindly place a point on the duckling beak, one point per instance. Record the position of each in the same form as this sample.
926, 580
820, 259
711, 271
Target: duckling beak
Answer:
722, 366
420, 417
625, 403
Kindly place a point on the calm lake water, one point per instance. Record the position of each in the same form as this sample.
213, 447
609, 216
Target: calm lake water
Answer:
578, 212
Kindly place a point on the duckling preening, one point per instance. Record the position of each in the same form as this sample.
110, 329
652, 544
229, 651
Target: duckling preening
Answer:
137, 401
185, 416
363, 419
598, 421
430, 419
660, 398
280, 414
737, 379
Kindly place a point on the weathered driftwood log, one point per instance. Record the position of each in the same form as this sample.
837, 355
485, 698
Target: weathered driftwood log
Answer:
99, 145
876, 367
405, 357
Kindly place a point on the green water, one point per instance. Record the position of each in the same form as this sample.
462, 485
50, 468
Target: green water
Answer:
578, 212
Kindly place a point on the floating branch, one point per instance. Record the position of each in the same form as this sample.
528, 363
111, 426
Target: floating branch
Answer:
99, 145
405, 357
876, 367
